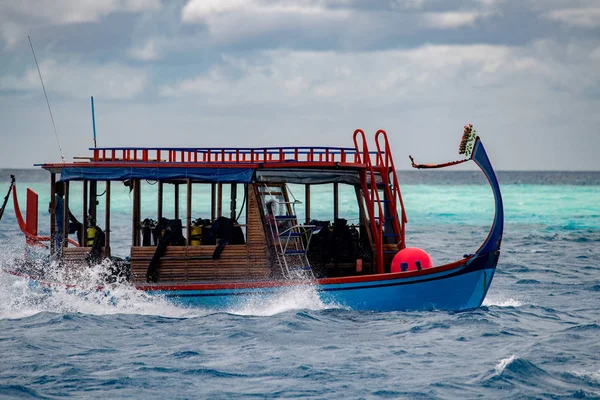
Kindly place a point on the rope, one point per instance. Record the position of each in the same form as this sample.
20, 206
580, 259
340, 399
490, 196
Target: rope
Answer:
426, 166
12, 183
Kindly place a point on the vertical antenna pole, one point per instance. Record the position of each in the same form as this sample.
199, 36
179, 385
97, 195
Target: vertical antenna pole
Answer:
47, 101
94, 121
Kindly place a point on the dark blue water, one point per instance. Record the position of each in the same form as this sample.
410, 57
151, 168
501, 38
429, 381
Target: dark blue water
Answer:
536, 336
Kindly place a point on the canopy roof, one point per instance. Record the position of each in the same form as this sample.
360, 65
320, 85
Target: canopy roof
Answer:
227, 175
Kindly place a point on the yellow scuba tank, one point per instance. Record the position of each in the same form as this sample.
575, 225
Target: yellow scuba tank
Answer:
90, 236
196, 235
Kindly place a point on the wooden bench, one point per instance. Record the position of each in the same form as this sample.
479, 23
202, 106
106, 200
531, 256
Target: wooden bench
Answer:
77, 255
195, 263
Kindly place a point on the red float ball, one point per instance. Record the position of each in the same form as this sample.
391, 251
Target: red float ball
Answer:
409, 259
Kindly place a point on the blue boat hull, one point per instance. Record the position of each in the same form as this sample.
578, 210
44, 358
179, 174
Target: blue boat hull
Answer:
460, 288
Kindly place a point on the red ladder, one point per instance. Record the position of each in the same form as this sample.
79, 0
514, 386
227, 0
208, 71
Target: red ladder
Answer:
371, 194
385, 165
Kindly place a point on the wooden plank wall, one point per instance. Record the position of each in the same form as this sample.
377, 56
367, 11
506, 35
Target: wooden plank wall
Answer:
75, 263
195, 263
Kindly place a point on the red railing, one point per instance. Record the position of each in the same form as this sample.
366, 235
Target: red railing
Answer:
227, 155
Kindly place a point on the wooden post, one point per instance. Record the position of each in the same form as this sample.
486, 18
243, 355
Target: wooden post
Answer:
213, 200
84, 223
65, 241
160, 200
307, 203
219, 199
93, 200
138, 232
335, 201
246, 197
135, 220
52, 212
233, 199
107, 221
177, 201
188, 219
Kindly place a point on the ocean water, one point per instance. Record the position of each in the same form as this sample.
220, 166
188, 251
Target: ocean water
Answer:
536, 336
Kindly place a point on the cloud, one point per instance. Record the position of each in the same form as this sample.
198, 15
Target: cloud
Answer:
202, 10
578, 17
148, 52
451, 20
382, 76
73, 79
75, 11
22, 15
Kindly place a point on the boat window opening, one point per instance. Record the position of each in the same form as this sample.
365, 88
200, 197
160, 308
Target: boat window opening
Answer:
340, 234
194, 210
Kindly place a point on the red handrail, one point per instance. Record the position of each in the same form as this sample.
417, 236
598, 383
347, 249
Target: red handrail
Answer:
376, 228
386, 164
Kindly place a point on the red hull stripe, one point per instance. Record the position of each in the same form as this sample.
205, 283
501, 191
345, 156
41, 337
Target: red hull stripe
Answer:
324, 281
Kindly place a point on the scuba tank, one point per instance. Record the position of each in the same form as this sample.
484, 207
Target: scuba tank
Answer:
90, 236
196, 233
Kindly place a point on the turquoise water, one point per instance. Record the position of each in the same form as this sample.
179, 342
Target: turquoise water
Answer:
536, 336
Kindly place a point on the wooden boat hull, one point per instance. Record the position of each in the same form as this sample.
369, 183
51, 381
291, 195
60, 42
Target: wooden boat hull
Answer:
458, 286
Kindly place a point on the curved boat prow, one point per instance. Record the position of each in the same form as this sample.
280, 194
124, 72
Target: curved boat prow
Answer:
494, 239
482, 263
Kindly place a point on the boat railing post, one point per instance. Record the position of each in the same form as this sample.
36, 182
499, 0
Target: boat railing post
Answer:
93, 199
188, 219
52, 212
160, 200
65, 232
213, 196
233, 201
307, 202
176, 201
84, 224
219, 199
135, 228
107, 221
335, 201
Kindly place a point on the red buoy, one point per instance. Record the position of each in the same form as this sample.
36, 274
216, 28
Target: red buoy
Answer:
411, 259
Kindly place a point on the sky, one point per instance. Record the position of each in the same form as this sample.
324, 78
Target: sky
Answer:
253, 73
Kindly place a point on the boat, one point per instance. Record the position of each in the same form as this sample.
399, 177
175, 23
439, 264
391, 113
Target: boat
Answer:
221, 261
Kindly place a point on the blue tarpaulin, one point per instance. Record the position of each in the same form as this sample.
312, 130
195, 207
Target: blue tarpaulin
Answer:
231, 175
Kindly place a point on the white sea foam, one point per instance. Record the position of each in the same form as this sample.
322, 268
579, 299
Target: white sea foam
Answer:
505, 362
501, 302
594, 376
21, 298
298, 298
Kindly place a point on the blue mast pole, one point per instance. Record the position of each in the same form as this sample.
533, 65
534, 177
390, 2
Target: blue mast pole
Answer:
94, 121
